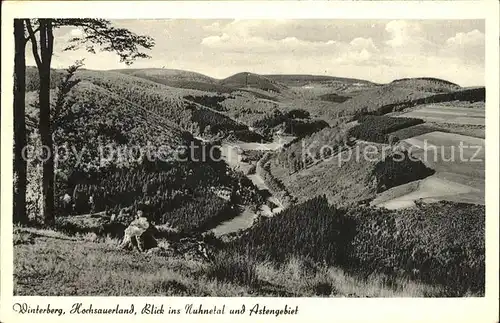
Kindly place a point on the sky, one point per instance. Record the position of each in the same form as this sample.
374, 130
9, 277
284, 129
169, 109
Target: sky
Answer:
375, 50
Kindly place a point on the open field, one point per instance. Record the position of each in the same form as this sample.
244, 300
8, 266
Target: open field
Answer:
447, 114
460, 172
477, 131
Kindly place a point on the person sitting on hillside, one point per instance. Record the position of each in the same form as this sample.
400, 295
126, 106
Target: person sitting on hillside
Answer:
140, 234
67, 205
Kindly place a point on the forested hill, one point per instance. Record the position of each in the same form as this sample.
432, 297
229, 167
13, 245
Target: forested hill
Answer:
169, 103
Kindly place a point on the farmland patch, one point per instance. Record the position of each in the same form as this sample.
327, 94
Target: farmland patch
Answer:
447, 114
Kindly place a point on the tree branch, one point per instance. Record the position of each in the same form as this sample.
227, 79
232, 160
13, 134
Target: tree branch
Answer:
34, 32
34, 47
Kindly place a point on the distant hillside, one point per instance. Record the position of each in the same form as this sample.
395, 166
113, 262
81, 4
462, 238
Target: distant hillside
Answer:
103, 117
334, 171
301, 80
117, 122
161, 75
33, 82
178, 78
244, 79
427, 84
404, 93
164, 101
373, 99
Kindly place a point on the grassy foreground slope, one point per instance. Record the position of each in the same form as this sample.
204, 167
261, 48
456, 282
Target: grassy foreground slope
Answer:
94, 266
312, 249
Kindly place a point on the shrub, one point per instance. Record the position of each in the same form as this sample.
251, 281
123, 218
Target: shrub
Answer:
233, 267
298, 114
439, 243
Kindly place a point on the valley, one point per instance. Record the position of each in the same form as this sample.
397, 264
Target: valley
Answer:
267, 171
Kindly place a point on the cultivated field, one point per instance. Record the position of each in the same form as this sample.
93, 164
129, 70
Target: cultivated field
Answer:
460, 172
447, 114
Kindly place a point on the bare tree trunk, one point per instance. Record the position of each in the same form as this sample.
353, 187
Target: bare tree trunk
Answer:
46, 43
20, 164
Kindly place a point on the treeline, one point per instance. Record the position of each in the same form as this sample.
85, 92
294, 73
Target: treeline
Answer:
427, 84
440, 243
209, 101
182, 194
300, 154
334, 97
376, 128
207, 121
245, 80
295, 122
471, 95
397, 169
246, 135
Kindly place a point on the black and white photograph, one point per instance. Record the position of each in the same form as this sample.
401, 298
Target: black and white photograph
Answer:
283, 158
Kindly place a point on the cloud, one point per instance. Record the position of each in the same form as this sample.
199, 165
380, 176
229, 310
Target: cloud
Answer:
214, 41
473, 38
402, 33
361, 43
469, 47
409, 37
378, 50
236, 43
213, 27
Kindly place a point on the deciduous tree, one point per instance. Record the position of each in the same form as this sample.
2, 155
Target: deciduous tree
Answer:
97, 33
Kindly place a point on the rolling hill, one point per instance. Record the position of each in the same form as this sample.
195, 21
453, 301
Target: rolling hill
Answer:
320, 219
164, 75
250, 80
178, 79
302, 79
427, 84
116, 123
